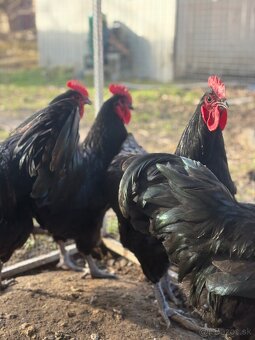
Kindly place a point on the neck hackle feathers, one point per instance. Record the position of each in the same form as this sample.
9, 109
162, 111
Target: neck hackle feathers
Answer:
120, 90
218, 87
77, 86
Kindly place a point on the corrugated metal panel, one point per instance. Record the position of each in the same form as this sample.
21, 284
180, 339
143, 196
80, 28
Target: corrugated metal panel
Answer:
215, 37
63, 29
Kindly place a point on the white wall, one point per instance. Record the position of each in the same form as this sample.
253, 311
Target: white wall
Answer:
62, 31
63, 27
153, 22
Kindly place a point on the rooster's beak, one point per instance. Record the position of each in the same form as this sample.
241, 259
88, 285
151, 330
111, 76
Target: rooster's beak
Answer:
131, 107
224, 104
87, 101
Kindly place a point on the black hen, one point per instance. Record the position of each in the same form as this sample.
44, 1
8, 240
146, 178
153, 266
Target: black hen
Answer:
42, 145
203, 140
205, 231
77, 211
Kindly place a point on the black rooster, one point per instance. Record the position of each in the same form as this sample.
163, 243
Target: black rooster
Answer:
205, 231
201, 139
42, 146
76, 208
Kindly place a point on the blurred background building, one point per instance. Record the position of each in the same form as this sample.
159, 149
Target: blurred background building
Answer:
160, 40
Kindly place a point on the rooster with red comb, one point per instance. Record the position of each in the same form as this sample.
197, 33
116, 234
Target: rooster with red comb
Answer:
33, 159
75, 208
202, 140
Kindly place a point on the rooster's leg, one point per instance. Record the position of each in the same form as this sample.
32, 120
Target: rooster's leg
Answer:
170, 313
95, 272
6, 283
65, 261
164, 307
169, 288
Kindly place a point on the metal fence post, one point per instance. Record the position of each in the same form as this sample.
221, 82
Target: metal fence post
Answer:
98, 66
98, 54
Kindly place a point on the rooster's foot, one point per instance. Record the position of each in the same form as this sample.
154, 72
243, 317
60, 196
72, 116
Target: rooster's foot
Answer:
176, 315
6, 283
95, 272
171, 290
65, 262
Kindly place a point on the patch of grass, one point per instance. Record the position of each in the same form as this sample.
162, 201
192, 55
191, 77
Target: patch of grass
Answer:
112, 225
23, 91
30, 244
38, 77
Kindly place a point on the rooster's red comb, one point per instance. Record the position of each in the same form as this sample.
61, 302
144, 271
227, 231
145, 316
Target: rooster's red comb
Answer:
217, 86
77, 86
121, 90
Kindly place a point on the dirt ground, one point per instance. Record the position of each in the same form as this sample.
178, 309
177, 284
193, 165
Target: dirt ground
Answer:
56, 304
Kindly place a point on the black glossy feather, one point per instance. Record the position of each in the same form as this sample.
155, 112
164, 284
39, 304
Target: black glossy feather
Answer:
48, 145
200, 224
207, 147
76, 206
30, 158
225, 284
143, 186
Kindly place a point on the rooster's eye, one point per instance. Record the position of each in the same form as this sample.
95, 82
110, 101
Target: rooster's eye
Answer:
209, 99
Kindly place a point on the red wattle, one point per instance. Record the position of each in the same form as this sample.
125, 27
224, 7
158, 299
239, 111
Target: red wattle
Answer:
124, 114
127, 116
81, 111
211, 118
223, 119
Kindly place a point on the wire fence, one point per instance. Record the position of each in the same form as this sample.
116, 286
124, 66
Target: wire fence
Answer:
215, 37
